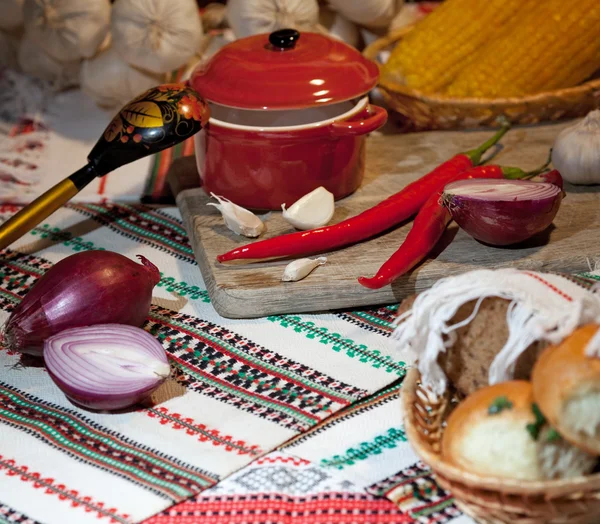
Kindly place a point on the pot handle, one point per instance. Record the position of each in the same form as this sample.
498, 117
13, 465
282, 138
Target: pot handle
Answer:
365, 122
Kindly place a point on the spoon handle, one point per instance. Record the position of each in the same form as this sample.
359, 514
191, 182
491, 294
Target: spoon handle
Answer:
44, 205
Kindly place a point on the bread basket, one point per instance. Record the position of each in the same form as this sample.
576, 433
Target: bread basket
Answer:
486, 499
431, 111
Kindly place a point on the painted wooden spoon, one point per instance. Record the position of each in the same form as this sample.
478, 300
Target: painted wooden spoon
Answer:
157, 119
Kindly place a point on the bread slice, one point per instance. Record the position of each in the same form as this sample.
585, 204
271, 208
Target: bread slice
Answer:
497, 432
467, 362
566, 386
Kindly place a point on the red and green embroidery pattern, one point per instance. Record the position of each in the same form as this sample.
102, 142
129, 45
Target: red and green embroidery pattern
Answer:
388, 394
72, 434
339, 344
365, 450
217, 362
139, 223
415, 492
377, 320
68, 495
183, 289
202, 433
268, 508
66, 237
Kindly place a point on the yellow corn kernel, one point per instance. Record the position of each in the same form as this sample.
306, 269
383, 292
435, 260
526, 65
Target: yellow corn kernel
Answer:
433, 53
555, 46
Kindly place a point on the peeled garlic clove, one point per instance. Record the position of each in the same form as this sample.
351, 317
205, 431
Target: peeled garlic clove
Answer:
313, 210
239, 220
301, 268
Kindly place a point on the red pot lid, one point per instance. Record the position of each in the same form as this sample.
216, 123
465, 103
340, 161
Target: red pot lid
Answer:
284, 70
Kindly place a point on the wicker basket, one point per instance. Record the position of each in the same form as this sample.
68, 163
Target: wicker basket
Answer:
430, 111
490, 500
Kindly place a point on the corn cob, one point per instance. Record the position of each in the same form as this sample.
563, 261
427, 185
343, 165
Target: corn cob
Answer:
431, 55
555, 46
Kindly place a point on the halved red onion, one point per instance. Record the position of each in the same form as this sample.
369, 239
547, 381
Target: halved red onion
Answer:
502, 212
106, 366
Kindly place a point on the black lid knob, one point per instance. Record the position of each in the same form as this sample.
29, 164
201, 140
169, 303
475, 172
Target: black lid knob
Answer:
284, 38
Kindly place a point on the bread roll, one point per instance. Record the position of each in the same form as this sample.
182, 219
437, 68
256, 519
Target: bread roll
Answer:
497, 432
467, 362
566, 386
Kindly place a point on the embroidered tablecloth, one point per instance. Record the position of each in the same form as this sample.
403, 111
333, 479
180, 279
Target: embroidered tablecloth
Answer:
250, 385
337, 472
291, 418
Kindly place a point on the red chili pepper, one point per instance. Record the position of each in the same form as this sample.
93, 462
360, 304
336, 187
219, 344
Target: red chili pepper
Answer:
428, 228
385, 215
429, 225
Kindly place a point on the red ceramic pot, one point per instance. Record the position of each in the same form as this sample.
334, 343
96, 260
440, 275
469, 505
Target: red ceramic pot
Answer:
289, 113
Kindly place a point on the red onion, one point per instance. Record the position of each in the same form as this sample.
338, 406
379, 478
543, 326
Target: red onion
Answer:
502, 212
551, 177
108, 366
93, 287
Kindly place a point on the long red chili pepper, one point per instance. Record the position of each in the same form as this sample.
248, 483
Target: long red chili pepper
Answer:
385, 215
429, 226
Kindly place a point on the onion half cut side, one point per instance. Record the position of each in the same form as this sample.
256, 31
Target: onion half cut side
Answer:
107, 366
502, 212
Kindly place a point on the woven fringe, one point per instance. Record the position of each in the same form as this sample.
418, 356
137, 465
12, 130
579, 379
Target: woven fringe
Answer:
425, 331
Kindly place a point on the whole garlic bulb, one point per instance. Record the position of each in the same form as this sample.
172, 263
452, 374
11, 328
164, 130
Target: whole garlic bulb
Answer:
9, 46
372, 13
11, 16
68, 29
111, 82
576, 151
156, 35
251, 17
35, 62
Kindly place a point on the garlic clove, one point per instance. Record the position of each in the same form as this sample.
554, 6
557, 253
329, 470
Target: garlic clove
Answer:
576, 151
314, 209
237, 219
301, 268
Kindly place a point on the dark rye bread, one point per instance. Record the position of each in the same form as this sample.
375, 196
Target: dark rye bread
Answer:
468, 361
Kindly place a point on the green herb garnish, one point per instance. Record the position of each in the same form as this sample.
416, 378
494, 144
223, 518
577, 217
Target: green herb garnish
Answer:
499, 404
535, 428
552, 435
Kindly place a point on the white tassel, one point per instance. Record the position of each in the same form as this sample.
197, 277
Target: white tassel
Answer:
535, 313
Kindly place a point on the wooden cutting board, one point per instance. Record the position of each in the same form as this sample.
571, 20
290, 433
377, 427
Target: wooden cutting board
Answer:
254, 290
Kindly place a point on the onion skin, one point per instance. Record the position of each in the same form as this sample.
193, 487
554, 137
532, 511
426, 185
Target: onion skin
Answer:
502, 222
550, 177
73, 357
93, 287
